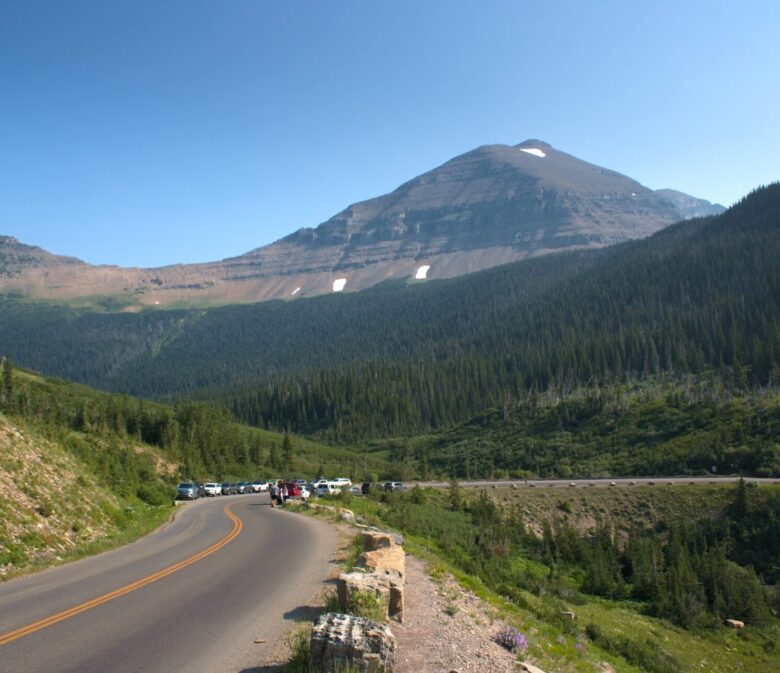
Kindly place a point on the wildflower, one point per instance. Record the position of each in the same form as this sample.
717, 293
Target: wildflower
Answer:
510, 638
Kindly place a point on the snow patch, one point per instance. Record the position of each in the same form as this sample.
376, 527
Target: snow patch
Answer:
295, 291
422, 272
534, 151
338, 284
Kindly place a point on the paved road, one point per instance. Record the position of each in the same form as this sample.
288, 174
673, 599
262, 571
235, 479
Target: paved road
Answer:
151, 608
598, 483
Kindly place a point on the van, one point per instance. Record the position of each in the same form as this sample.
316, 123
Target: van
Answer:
327, 488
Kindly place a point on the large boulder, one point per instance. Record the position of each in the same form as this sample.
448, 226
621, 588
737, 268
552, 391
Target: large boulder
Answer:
373, 540
376, 539
388, 585
339, 642
384, 559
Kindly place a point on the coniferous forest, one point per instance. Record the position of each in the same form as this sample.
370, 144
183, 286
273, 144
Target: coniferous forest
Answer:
698, 298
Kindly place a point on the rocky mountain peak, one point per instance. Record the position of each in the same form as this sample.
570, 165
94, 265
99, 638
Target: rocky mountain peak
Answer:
488, 206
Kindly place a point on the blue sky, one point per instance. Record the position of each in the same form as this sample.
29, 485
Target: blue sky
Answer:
155, 132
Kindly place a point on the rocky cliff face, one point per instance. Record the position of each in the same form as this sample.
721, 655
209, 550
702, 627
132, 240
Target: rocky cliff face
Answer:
490, 206
689, 206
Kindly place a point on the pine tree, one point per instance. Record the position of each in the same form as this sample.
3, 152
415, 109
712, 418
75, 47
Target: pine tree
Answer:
287, 453
274, 457
455, 497
7, 390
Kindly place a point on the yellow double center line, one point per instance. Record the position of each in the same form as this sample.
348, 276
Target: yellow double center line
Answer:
238, 525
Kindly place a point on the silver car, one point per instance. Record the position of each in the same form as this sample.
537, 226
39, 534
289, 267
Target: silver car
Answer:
187, 491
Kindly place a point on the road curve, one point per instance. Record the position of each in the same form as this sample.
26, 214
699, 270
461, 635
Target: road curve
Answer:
193, 595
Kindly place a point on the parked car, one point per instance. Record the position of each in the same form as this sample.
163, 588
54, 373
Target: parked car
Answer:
342, 482
225, 487
243, 487
187, 490
394, 486
296, 491
314, 486
355, 490
212, 488
259, 486
328, 488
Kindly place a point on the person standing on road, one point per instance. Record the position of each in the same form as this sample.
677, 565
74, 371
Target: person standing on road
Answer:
274, 494
283, 493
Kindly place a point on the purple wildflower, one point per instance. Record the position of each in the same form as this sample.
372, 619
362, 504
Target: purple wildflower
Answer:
510, 638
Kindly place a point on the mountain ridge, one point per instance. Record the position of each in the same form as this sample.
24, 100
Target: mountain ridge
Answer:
489, 206
696, 295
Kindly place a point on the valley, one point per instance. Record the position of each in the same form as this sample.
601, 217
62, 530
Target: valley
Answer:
592, 399
405, 337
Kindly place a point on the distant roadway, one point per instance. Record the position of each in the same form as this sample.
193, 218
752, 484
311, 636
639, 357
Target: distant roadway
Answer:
580, 483
193, 596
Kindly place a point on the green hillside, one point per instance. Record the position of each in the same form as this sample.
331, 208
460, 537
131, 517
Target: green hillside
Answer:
400, 359
643, 578
67, 489
653, 427
83, 470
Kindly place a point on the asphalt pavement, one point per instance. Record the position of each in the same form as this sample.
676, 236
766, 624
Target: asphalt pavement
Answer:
194, 595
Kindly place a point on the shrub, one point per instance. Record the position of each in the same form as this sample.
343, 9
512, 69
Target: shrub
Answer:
155, 494
511, 639
300, 652
647, 655
369, 605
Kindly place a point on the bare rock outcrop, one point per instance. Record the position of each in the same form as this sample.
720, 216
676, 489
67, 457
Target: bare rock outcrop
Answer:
373, 540
340, 641
382, 554
389, 586
380, 571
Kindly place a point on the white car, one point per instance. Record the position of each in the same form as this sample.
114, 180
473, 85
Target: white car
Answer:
212, 488
328, 488
342, 482
315, 485
259, 486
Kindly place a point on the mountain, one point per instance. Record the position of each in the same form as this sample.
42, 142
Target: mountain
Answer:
689, 206
400, 358
492, 205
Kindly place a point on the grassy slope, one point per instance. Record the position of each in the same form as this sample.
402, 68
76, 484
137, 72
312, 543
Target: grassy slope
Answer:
651, 427
558, 645
625, 508
53, 509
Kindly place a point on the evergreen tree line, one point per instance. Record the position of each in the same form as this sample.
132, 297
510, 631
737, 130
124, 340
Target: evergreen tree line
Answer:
200, 441
697, 297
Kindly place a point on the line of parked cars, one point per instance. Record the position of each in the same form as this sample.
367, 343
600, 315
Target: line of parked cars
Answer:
191, 490
296, 488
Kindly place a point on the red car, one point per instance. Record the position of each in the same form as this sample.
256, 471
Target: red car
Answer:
295, 491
